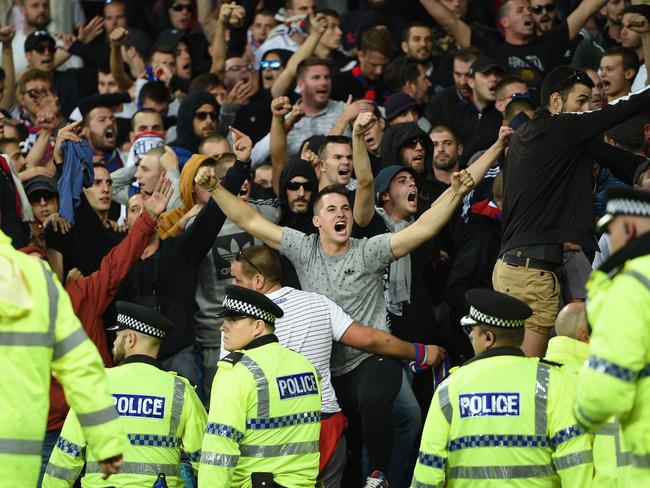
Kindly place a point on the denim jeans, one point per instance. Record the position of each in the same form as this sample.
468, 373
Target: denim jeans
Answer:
407, 422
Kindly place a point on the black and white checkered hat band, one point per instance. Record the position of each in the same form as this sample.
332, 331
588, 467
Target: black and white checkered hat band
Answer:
495, 321
627, 206
249, 310
131, 323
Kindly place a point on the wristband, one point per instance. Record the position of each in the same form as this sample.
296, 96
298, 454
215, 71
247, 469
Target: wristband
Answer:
420, 353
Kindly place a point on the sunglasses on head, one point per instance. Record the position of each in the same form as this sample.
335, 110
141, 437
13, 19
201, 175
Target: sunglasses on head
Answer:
274, 65
576, 76
179, 7
538, 9
43, 48
201, 116
296, 185
240, 257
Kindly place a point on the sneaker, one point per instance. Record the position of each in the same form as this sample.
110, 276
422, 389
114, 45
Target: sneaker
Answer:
376, 480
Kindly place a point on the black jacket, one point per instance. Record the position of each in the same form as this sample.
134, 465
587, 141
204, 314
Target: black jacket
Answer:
477, 129
548, 179
185, 136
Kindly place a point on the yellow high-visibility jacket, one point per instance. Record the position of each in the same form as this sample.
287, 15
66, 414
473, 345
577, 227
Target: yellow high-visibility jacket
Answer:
160, 413
503, 420
40, 335
616, 378
264, 417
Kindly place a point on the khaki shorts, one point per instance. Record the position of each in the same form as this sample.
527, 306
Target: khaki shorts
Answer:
539, 289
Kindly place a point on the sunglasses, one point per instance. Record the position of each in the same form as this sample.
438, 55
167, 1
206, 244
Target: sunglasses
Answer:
43, 48
413, 142
538, 9
274, 65
179, 7
240, 257
37, 197
201, 116
297, 185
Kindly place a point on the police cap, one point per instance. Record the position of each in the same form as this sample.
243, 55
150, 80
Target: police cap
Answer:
625, 201
495, 309
141, 319
242, 302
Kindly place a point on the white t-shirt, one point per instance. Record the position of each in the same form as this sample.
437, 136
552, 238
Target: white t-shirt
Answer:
310, 323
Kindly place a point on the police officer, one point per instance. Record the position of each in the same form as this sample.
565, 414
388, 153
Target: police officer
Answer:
616, 378
39, 336
264, 420
159, 411
502, 416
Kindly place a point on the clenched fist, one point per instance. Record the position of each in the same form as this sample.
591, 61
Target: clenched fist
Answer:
462, 182
206, 178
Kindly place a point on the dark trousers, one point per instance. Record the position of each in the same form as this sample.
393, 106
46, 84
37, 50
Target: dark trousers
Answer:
366, 395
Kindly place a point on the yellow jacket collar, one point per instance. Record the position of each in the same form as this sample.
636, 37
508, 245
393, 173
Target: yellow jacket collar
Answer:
564, 350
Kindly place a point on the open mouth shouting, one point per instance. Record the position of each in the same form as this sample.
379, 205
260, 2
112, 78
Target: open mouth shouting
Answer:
412, 196
110, 135
340, 227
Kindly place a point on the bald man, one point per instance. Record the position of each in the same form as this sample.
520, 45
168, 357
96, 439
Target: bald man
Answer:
569, 350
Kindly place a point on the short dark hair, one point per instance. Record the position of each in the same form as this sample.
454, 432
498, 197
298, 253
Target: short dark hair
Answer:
507, 337
328, 12
205, 82
378, 39
142, 111
517, 106
33, 75
628, 57
156, 91
468, 54
562, 80
262, 260
399, 72
333, 140
506, 81
308, 63
328, 190
7, 140
416, 23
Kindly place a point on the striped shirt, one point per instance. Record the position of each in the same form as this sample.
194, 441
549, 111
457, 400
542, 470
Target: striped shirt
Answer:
310, 323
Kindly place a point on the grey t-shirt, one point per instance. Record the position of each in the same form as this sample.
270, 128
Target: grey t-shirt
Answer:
354, 280
214, 272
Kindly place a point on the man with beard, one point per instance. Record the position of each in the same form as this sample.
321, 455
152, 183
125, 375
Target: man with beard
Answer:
197, 120
417, 45
589, 51
522, 53
544, 15
443, 104
548, 184
100, 129
37, 18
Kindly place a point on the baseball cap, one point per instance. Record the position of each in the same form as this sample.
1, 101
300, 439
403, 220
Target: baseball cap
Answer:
386, 175
399, 103
484, 64
36, 38
40, 183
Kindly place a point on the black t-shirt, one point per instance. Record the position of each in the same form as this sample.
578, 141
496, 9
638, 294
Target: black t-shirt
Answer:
353, 83
531, 61
254, 118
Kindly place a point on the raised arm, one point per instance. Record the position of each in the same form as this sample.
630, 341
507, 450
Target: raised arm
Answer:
117, 38
229, 14
206, 18
364, 201
480, 167
433, 220
454, 26
239, 212
349, 114
581, 14
280, 107
9, 95
639, 24
317, 27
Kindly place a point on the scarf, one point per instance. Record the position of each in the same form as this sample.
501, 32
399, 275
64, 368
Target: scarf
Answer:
23, 207
399, 277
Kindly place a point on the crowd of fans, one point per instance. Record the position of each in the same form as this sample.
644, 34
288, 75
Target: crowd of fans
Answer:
380, 101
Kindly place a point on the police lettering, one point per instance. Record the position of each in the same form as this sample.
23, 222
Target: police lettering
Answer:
297, 385
139, 406
488, 404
